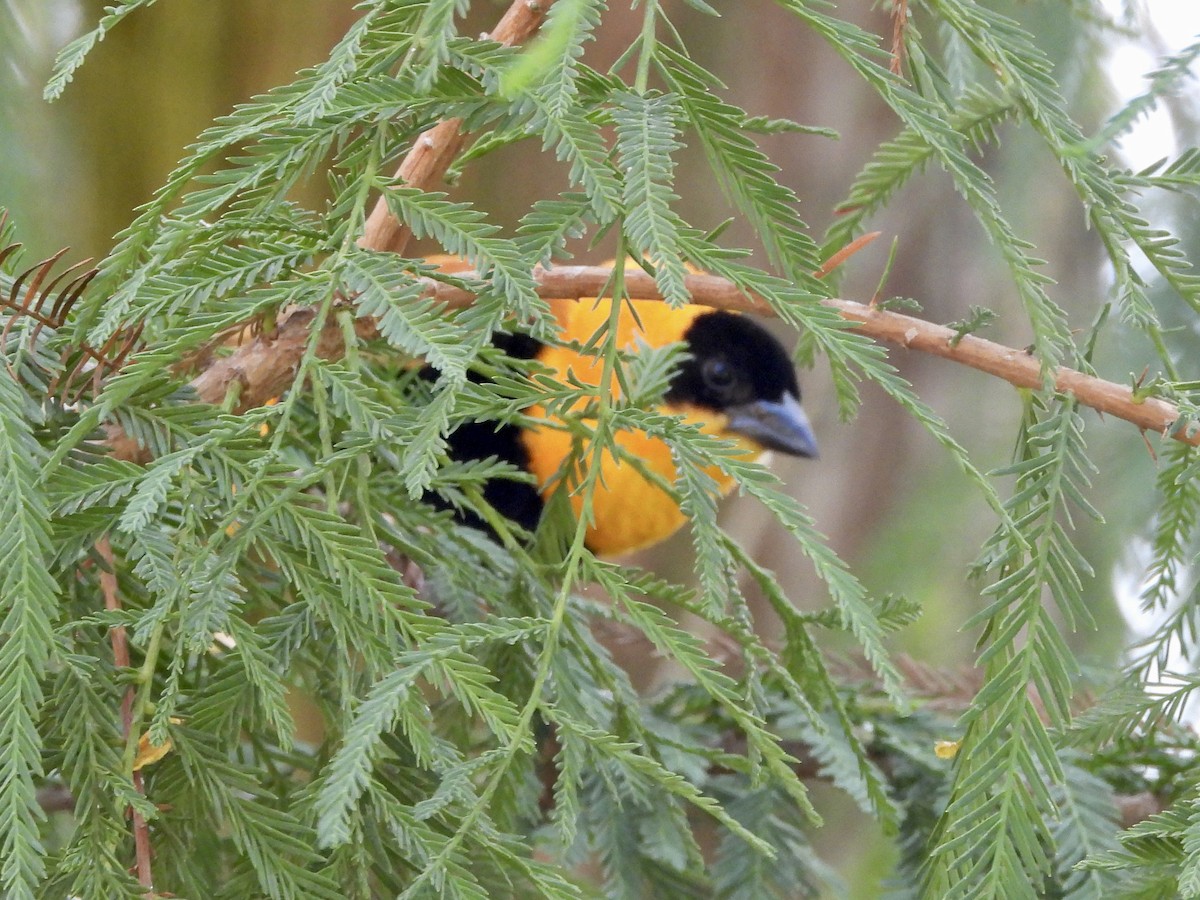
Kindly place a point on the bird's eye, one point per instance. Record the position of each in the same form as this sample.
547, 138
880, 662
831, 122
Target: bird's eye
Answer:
718, 374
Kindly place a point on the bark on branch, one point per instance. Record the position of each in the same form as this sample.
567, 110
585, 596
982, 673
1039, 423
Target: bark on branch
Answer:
265, 365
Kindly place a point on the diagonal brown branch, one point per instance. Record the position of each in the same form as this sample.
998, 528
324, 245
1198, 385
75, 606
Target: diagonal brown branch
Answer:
120, 644
436, 148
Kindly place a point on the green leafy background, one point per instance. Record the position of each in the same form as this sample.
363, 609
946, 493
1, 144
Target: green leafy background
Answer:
353, 744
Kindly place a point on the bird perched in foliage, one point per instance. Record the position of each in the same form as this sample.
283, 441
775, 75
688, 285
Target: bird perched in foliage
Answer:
736, 382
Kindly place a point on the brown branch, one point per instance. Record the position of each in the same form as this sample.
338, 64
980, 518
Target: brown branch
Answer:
424, 165
436, 148
1015, 366
112, 603
265, 366
141, 841
120, 644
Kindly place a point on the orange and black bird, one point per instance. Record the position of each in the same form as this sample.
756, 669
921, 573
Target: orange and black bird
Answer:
736, 381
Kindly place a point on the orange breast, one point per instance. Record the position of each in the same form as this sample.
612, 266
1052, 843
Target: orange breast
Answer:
630, 512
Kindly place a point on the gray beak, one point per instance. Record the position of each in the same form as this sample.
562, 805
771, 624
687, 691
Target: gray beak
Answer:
776, 425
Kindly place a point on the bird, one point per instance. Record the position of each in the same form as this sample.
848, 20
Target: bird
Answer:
736, 381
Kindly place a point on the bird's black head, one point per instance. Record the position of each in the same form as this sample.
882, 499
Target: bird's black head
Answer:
737, 368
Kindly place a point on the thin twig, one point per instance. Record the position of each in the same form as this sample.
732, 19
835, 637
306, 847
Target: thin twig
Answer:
845, 253
112, 603
120, 645
899, 26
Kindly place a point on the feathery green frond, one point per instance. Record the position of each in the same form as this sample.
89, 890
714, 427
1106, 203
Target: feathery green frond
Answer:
646, 138
743, 170
552, 61
464, 232
994, 832
71, 57
28, 608
1173, 70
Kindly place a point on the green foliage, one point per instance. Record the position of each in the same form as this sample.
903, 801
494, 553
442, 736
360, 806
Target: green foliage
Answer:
339, 725
645, 141
29, 607
978, 317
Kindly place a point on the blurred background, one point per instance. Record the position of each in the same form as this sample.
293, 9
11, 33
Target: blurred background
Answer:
889, 499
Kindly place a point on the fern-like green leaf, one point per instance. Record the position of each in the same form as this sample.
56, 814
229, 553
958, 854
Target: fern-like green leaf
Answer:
28, 607
647, 135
